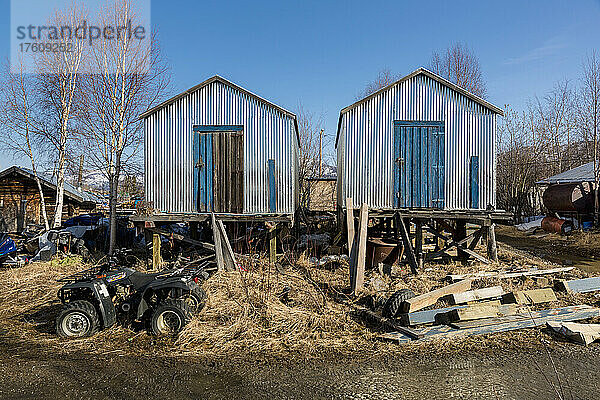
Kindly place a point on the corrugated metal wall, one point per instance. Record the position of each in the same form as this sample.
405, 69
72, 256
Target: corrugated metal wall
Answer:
268, 134
366, 137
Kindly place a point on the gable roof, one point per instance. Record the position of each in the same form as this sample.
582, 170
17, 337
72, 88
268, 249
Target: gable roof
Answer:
224, 81
50, 182
435, 77
583, 173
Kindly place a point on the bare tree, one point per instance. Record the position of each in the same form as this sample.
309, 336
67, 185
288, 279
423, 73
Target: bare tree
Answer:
384, 78
520, 145
556, 117
128, 77
58, 82
21, 135
312, 140
459, 65
589, 116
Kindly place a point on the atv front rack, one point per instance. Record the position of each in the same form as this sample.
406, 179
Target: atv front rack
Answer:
86, 275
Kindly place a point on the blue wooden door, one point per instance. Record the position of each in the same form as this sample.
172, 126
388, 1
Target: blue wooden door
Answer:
219, 168
203, 171
419, 164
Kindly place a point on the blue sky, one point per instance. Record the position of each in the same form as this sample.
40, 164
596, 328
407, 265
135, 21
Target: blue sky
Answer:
322, 53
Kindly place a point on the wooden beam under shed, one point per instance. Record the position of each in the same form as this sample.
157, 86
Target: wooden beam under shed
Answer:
156, 259
410, 253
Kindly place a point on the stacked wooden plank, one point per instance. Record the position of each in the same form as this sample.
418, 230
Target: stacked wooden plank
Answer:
482, 311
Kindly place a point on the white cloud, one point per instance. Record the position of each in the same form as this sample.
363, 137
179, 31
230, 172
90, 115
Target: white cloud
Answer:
548, 49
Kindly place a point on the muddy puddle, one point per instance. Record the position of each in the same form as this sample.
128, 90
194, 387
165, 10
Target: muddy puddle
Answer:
552, 248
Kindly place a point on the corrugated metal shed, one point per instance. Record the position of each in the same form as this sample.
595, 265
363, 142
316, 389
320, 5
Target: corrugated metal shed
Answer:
365, 140
583, 173
270, 133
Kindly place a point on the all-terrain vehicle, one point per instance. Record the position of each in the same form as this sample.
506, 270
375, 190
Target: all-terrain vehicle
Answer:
97, 297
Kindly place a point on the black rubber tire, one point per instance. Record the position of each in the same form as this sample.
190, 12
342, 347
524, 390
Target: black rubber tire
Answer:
83, 312
196, 299
178, 313
391, 308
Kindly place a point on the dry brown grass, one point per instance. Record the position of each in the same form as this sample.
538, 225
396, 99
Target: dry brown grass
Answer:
246, 316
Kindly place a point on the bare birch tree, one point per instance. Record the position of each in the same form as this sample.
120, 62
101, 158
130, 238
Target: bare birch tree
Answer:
21, 134
128, 77
58, 82
384, 78
589, 116
459, 65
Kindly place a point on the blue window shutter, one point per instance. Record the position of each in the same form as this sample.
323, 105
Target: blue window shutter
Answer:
474, 182
272, 187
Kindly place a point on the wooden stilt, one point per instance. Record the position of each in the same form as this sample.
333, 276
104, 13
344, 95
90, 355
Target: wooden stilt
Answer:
273, 244
460, 234
410, 253
156, 260
492, 248
419, 242
350, 224
359, 253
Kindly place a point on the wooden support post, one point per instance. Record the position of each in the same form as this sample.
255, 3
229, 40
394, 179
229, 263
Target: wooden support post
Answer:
350, 224
460, 234
273, 244
227, 250
419, 242
156, 260
491, 244
218, 243
410, 253
359, 253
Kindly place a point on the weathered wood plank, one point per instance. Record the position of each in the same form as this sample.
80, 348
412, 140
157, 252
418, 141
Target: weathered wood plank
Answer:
484, 311
508, 274
534, 296
477, 294
218, 244
350, 224
580, 285
227, 250
360, 253
537, 318
427, 299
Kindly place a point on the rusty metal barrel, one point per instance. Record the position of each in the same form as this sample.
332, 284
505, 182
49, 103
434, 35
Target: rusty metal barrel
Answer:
557, 225
569, 197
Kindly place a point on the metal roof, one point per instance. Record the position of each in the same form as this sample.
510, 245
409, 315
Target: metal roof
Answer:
431, 75
50, 181
583, 173
208, 82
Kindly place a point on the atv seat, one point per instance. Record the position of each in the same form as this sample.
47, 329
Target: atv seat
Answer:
140, 279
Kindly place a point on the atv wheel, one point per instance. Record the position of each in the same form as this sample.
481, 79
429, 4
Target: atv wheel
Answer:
391, 308
169, 317
196, 300
77, 319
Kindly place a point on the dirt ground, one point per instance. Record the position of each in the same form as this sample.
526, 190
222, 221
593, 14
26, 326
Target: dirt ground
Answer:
247, 344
